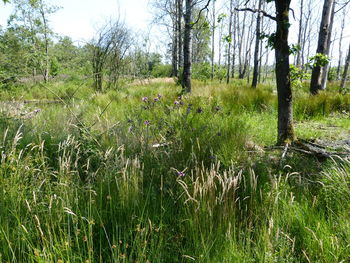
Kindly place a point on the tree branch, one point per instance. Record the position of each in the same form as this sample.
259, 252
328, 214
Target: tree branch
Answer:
344, 5
256, 11
200, 12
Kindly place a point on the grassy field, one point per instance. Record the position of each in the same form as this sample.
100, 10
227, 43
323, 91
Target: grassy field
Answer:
143, 175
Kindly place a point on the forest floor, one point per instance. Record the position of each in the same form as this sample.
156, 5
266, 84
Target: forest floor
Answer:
140, 174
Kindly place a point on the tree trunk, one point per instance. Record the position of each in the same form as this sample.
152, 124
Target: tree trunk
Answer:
326, 67
179, 28
300, 33
187, 70
284, 91
256, 50
213, 43
229, 43
340, 43
345, 73
175, 46
46, 41
234, 46
324, 34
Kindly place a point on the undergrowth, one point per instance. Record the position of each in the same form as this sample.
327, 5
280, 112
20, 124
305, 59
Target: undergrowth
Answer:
142, 175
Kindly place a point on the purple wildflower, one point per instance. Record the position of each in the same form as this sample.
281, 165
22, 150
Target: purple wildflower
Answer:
176, 102
159, 96
156, 99
147, 122
144, 99
199, 110
182, 174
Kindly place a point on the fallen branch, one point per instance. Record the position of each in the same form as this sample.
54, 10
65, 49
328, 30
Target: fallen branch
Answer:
310, 148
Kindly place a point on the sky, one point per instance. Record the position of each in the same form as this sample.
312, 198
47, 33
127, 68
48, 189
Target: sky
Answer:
79, 19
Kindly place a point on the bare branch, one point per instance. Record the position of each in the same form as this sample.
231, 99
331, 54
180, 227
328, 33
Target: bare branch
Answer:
343, 6
256, 11
200, 12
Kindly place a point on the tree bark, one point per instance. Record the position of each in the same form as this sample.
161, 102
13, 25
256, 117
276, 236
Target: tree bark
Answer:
345, 73
340, 43
187, 70
326, 67
257, 46
213, 42
300, 33
284, 91
229, 43
175, 46
179, 28
46, 41
324, 34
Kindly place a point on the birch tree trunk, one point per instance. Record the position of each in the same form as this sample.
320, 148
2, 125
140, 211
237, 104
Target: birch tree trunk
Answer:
328, 47
229, 43
256, 50
345, 73
324, 34
46, 41
342, 26
179, 28
300, 33
213, 41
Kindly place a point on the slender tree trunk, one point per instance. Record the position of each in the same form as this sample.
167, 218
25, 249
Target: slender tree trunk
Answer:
340, 43
187, 71
304, 37
175, 46
300, 33
345, 73
229, 43
179, 27
266, 66
324, 34
284, 91
213, 42
234, 46
256, 50
46, 41
326, 67
220, 44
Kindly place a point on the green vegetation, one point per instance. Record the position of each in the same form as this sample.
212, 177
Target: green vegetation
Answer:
139, 174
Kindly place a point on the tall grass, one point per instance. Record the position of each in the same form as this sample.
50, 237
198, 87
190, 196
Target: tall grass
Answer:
117, 177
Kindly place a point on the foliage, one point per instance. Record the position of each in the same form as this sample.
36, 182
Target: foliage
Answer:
318, 60
201, 34
161, 71
297, 75
201, 71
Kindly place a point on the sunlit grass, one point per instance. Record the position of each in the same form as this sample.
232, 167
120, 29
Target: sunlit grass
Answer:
118, 177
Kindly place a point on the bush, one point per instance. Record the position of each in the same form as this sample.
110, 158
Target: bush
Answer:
201, 71
161, 71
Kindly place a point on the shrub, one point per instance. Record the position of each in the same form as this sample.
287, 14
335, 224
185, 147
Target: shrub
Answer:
161, 71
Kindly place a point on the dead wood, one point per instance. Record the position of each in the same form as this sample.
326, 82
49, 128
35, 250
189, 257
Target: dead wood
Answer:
311, 148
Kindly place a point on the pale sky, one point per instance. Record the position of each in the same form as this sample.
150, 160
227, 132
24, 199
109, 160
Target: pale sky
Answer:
78, 19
